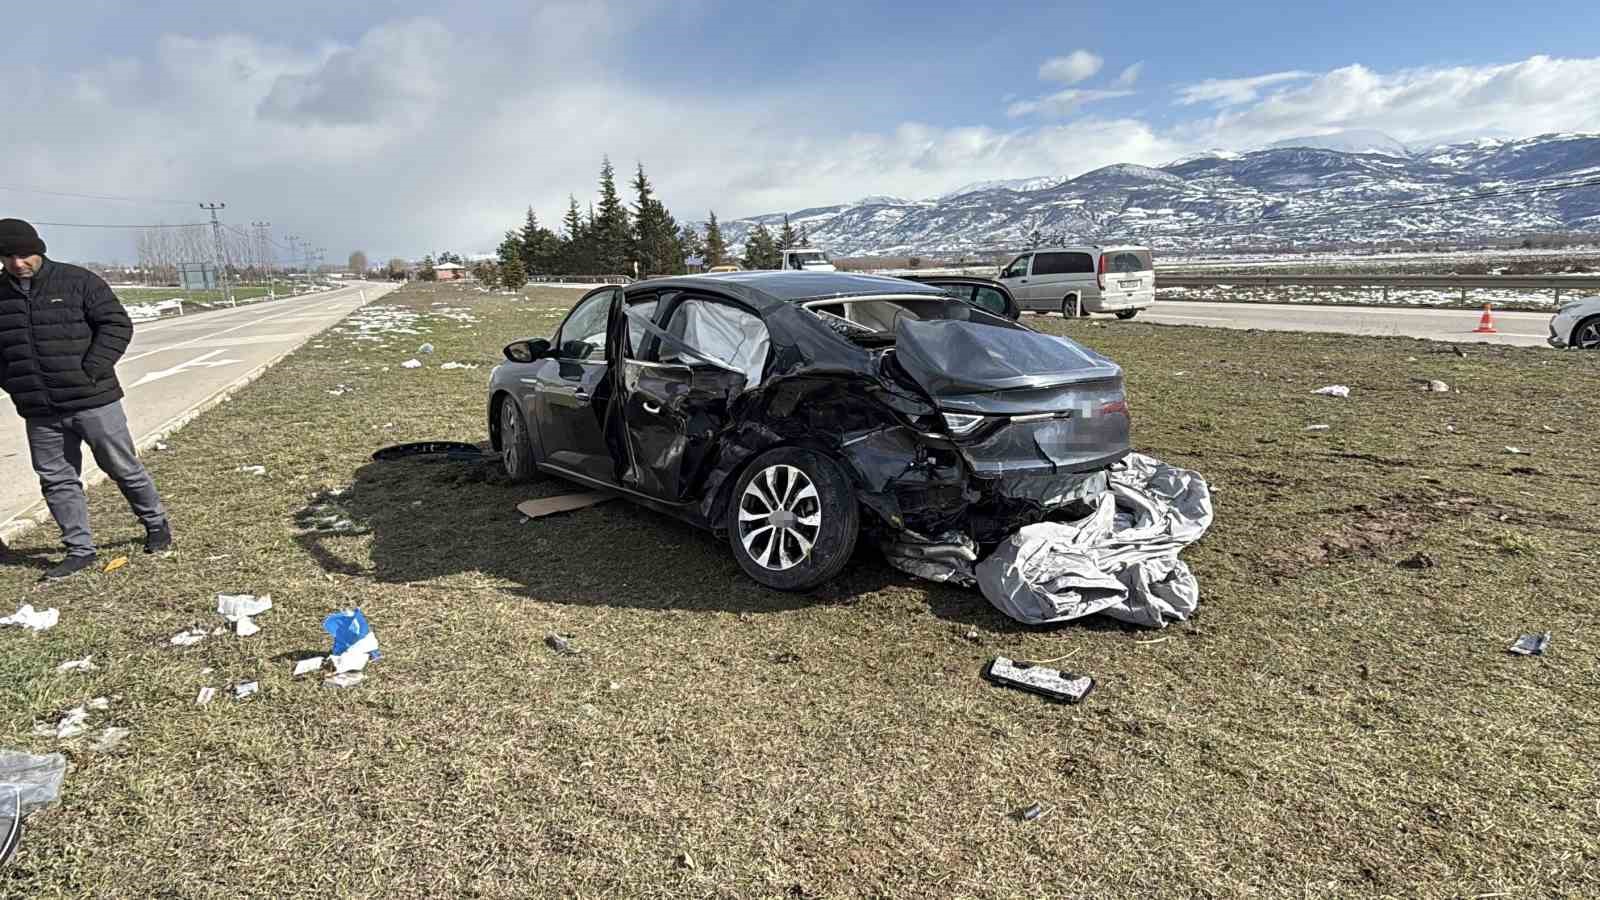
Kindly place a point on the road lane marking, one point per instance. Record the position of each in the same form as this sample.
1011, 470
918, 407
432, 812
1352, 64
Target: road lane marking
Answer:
203, 361
215, 334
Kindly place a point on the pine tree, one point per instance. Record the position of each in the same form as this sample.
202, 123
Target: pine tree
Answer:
511, 249
427, 272
611, 232
576, 255
760, 250
786, 238
690, 244
513, 276
805, 239
716, 250
539, 246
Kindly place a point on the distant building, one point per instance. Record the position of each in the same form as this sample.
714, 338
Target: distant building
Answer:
450, 271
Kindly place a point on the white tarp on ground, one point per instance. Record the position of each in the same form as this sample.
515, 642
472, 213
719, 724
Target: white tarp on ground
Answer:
1121, 560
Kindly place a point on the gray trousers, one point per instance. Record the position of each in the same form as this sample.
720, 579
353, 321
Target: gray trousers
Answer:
56, 446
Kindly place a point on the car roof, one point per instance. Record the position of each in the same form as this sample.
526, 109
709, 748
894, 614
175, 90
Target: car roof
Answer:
954, 279
1082, 248
768, 287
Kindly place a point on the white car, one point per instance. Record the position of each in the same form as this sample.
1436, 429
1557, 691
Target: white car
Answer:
1577, 324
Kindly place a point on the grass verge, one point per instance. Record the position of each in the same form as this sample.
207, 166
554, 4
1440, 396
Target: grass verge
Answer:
1340, 718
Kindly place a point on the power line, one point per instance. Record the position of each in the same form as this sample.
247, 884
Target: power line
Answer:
96, 225
23, 190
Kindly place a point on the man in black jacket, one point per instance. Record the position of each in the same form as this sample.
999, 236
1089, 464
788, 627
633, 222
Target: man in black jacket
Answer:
61, 334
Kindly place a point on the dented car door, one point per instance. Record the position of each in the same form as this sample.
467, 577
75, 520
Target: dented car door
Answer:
676, 392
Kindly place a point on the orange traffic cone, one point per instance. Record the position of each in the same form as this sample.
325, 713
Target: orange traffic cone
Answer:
1485, 322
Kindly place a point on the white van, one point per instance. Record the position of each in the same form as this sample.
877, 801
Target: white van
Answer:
1119, 280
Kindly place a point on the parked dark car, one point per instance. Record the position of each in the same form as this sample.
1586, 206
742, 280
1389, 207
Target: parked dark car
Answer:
788, 410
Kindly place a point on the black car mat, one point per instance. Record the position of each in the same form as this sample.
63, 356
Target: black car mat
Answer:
455, 450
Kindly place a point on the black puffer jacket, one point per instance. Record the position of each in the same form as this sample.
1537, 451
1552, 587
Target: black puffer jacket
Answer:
59, 348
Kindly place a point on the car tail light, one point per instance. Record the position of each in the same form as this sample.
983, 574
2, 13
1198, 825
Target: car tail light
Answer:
1101, 274
962, 423
1116, 406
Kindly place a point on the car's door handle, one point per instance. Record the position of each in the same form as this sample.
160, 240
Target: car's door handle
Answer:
651, 408
1022, 281
532, 381
580, 394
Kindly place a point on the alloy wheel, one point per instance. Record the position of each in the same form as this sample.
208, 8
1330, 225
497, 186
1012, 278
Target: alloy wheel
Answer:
1587, 337
780, 517
510, 437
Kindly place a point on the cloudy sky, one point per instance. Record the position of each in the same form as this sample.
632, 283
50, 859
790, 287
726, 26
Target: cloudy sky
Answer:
400, 127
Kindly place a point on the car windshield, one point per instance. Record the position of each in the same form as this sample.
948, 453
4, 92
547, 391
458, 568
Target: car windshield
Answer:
871, 321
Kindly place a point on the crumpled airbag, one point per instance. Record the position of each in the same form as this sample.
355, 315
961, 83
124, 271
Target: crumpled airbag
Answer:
1121, 560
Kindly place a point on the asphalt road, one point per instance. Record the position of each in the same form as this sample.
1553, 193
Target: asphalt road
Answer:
179, 366
1518, 328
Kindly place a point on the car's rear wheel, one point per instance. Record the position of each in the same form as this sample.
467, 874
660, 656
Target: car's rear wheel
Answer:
1586, 336
793, 521
1127, 313
1069, 307
516, 445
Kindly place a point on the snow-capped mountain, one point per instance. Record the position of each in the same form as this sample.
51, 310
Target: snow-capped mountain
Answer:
1289, 195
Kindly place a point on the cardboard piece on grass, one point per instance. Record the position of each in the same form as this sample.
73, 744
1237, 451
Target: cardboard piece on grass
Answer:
307, 666
33, 619
549, 506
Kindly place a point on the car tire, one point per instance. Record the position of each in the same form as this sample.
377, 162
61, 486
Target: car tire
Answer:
818, 520
1127, 313
1069, 307
1586, 334
516, 444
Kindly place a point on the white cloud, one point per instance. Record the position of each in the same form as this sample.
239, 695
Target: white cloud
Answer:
1062, 103
1072, 68
1129, 76
1534, 96
1233, 91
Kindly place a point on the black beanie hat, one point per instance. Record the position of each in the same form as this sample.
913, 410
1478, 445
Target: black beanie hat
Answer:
17, 238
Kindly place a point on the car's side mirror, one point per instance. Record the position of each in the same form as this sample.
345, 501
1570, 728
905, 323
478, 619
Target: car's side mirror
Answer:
527, 351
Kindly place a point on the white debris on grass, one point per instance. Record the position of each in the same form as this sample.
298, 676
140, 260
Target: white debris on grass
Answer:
411, 364
344, 679
307, 666
239, 610
33, 619
1333, 390
246, 689
188, 637
456, 365
72, 724
1438, 387
206, 695
253, 470
110, 739
162, 445
425, 348
78, 665
1518, 451
100, 703
1317, 427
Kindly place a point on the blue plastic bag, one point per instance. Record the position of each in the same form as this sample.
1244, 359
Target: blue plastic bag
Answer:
351, 632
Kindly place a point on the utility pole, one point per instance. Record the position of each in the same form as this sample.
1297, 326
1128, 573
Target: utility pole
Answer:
264, 250
222, 250
292, 239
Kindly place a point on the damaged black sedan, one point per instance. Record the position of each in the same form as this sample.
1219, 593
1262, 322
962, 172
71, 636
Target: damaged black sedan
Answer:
790, 411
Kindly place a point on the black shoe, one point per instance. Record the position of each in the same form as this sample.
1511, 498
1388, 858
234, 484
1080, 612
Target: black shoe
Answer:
70, 566
158, 539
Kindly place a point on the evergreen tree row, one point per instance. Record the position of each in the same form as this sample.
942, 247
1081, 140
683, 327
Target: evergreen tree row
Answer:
614, 238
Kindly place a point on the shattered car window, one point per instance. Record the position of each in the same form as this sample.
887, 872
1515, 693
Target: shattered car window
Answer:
872, 320
636, 332
729, 335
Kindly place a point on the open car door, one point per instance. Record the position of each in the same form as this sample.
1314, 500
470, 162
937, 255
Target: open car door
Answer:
675, 388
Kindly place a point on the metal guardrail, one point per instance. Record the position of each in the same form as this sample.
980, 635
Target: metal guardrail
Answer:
1557, 283
580, 279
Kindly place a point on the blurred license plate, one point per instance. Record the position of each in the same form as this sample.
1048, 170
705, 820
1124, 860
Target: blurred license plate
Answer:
1130, 284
